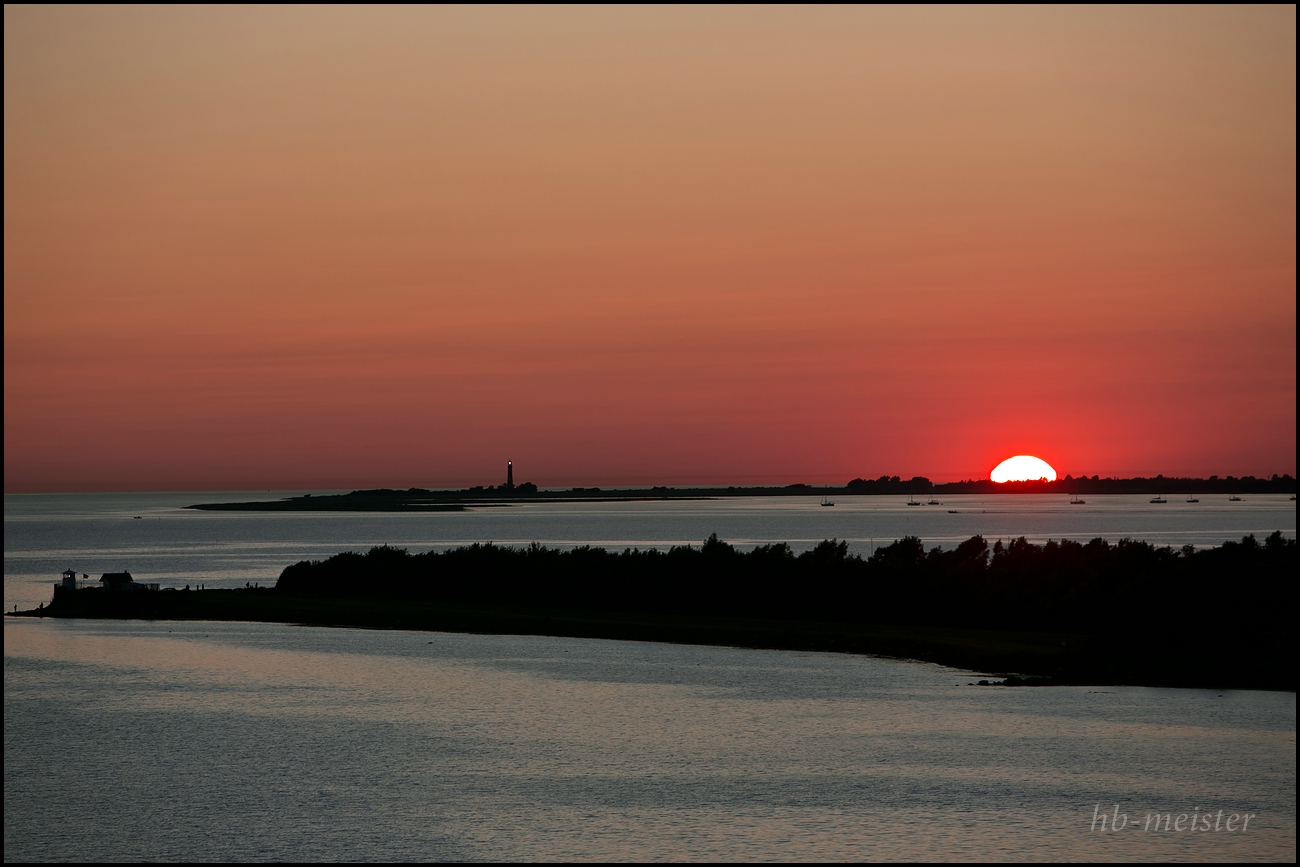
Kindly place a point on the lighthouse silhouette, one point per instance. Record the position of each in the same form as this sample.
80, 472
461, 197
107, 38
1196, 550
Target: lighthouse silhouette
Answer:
510, 474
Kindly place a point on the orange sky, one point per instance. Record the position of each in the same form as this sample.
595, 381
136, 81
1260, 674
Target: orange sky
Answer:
284, 248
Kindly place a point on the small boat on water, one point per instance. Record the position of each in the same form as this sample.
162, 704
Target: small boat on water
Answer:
1192, 499
1159, 498
826, 502
934, 502
1075, 500
952, 511
913, 502
1235, 499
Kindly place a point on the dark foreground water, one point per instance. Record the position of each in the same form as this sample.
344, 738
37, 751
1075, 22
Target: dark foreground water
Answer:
228, 741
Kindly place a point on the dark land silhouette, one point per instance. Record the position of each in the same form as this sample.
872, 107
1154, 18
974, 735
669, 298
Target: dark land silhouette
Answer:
1063, 612
425, 500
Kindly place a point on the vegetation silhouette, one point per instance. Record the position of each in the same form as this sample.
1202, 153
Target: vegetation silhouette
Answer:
1059, 586
1061, 612
1128, 612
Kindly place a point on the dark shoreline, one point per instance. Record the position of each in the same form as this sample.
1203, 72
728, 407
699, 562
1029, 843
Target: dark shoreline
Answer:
1065, 612
1021, 658
425, 500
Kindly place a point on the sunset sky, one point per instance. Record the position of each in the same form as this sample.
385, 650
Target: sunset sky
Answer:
343, 247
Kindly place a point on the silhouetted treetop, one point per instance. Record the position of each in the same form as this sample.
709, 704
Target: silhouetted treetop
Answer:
1060, 585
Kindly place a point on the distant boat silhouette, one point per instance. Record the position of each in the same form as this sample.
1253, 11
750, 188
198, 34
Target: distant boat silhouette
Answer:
1076, 501
952, 511
826, 502
1192, 499
912, 502
1235, 499
933, 501
1159, 498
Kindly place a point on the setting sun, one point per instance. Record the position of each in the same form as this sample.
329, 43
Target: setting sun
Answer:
1023, 468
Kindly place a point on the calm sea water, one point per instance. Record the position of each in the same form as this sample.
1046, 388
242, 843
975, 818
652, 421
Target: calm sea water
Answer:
223, 741
189, 741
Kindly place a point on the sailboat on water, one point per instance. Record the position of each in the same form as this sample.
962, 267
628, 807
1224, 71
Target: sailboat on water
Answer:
1076, 500
1159, 498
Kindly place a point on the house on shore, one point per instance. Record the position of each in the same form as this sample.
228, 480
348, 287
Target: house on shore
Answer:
109, 582
122, 582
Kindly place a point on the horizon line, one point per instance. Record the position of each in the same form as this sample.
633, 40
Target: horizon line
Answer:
615, 486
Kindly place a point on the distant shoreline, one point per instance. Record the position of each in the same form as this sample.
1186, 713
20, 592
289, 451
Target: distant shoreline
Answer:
426, 500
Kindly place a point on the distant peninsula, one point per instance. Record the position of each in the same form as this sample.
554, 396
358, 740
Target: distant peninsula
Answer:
426, 500
1059, 613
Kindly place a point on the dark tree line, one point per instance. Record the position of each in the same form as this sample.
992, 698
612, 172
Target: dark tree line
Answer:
1097, 587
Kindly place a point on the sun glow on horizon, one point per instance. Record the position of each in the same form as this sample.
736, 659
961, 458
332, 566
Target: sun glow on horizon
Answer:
665, 245
1023, 468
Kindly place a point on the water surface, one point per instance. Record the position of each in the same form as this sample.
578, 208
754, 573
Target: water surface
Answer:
227, 741
189, 741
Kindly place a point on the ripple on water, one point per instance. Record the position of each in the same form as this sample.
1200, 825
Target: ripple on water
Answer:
269, 742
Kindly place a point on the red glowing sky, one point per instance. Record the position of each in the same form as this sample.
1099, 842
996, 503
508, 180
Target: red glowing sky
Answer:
330, 248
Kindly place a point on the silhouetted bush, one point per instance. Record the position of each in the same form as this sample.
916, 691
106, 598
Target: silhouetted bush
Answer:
1059, 586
